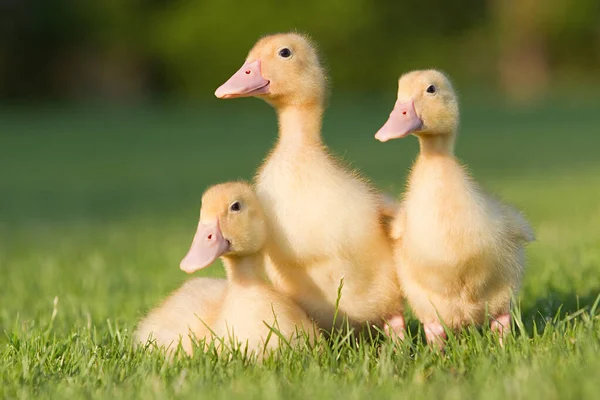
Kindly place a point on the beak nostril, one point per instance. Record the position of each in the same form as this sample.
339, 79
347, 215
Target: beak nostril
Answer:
248, 72
403, 112
209, 237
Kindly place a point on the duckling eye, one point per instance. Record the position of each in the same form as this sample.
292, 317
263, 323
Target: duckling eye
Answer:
430, 89
285, 52
235, 206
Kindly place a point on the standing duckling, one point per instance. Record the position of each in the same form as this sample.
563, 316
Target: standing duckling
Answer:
459, 251
232, 226
327, 222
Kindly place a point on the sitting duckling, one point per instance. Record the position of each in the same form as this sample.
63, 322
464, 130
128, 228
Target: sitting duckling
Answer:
329, 225
232, 227
459, 251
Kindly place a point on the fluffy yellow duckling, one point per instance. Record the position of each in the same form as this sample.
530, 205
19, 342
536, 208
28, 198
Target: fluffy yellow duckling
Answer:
326, 221
459, 251
232, 224
232, 227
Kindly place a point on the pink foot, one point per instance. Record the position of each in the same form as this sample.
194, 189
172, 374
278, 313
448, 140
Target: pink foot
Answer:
395, 327
435, 334
501, 324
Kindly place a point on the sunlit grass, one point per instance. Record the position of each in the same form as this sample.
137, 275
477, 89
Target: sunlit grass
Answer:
98, 207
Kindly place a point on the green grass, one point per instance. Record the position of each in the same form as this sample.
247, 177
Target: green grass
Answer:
98, 205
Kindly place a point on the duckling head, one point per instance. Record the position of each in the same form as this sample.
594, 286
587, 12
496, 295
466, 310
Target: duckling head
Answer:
231, 224
282, 69
426, 106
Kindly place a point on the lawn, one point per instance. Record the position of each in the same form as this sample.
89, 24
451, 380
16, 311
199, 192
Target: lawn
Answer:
98, 204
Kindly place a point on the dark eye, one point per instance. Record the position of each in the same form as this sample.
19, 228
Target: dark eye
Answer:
285, 52
430, 89
236, 206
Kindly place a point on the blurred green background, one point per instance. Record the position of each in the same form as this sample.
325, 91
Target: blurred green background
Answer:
134, 49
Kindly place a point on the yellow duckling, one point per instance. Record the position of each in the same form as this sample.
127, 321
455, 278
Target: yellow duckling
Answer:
326, 221
459, 251
232, 227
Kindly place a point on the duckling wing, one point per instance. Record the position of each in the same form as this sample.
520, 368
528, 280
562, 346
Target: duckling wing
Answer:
388, 205
518, 225
388, 209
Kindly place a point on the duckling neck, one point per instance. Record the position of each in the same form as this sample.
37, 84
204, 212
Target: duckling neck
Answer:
437, 145
244, 270
300, 125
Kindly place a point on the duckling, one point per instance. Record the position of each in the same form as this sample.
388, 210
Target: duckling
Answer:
327, 222
232, 226
184, 316
460, 252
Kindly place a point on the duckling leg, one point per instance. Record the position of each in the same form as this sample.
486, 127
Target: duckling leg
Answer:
395, 327
501, 324
435, 334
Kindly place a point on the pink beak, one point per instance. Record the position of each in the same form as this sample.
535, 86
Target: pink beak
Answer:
208, 245
402, 122
246, 82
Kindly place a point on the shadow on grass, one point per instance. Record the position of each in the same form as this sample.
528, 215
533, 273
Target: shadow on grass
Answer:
558, 305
